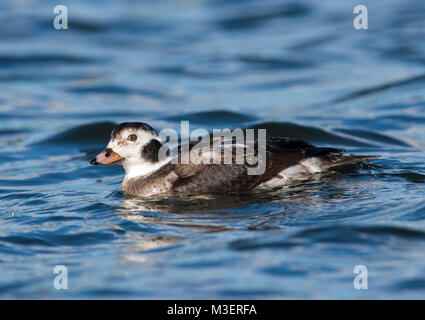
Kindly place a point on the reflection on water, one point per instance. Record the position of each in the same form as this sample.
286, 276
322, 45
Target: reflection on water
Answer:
296, 68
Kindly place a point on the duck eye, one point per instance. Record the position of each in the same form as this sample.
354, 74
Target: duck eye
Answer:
132, 137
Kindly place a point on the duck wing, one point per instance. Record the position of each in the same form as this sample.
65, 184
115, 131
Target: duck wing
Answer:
202, 178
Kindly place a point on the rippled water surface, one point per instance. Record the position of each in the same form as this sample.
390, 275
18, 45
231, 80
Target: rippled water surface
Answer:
297, 68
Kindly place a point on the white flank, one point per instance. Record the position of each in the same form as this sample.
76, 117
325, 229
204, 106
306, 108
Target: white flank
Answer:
306, 167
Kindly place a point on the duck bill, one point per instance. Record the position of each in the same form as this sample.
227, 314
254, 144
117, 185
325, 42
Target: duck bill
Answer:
107, 157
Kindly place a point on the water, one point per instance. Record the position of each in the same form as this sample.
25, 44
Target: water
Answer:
297, 68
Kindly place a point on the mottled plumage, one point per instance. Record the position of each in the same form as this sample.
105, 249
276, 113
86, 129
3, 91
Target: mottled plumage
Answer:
147, 174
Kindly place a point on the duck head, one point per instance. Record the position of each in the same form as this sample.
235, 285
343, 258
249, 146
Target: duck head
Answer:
135, 146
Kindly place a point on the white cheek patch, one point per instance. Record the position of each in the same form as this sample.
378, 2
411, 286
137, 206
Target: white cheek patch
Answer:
113, 144
116, 147
134, 164
126, 149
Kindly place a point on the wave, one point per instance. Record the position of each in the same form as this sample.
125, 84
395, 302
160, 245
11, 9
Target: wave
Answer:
337, 234
370, 135
84, 134
254, 16
378, 88
310, 134
273, 63
122, 90
36, 59
99, 132
218, 117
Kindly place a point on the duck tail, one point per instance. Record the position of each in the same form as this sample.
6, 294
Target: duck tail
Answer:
340, 159
334, 157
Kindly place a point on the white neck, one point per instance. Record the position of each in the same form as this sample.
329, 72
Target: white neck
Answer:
138, 170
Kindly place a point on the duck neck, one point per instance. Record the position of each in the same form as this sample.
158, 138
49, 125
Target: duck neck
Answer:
135, 170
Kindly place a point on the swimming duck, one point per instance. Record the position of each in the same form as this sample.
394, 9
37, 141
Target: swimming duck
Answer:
137, 147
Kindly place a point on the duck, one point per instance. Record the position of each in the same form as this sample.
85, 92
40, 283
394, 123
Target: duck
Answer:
149, 171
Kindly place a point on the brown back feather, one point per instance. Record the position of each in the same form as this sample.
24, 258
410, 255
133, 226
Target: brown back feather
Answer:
224, 178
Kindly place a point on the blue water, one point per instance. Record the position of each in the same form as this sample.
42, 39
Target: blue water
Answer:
297, 68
